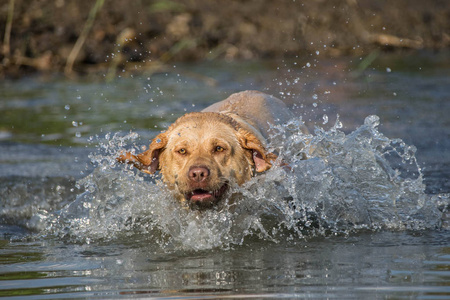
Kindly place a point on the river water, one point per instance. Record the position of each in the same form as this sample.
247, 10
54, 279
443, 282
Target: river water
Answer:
365, 217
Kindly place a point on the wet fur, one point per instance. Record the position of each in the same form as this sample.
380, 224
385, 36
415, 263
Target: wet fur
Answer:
228, 139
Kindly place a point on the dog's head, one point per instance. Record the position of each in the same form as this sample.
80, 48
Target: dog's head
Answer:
201, 154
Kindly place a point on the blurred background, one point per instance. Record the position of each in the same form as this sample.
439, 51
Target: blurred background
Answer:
106, 36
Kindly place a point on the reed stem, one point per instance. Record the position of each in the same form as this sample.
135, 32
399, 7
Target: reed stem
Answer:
7, 37
82, 38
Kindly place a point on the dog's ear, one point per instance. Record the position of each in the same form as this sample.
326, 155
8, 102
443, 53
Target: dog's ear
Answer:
261, 158
147, 161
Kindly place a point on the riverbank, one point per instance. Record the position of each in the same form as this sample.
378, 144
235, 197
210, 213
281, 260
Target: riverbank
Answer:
79, 37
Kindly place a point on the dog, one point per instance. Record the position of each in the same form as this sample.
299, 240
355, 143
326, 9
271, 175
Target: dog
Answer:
203, 153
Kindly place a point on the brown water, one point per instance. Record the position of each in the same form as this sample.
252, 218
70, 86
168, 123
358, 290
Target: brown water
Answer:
75, 225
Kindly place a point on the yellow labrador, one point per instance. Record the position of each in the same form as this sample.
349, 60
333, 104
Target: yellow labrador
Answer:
202, 153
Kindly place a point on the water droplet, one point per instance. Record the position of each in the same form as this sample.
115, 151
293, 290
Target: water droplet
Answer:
325, 119
67, 107
388, 70
74, 124
338, 123
315, 97
372, 121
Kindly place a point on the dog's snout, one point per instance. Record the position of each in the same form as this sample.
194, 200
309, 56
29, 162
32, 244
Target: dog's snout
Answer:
198, 173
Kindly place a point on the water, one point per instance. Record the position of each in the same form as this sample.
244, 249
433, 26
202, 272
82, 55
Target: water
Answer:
365, 217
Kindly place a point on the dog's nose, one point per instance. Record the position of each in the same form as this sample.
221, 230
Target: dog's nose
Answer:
198, 174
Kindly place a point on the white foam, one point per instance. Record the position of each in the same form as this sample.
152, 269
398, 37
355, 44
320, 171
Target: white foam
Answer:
362, 180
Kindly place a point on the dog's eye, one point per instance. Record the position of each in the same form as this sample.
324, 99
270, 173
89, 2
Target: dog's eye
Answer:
182, 151
219, 149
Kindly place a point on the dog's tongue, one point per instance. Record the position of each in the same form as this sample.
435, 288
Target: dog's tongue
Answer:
201, 199
201, 195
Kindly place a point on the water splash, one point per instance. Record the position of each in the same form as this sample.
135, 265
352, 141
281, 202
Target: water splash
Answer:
359, 181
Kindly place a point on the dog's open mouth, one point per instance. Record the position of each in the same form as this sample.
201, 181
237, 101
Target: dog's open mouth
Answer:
200, 198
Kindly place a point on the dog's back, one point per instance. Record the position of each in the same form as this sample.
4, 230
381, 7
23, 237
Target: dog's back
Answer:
255, 108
